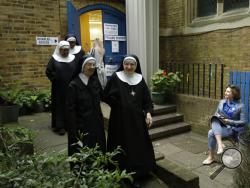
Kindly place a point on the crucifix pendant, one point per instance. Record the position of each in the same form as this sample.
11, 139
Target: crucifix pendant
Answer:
132, 93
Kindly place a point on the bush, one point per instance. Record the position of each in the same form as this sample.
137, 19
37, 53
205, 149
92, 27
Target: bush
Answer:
163, 81
42, 170
13, 140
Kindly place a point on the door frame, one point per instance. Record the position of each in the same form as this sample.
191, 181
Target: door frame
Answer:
100, 6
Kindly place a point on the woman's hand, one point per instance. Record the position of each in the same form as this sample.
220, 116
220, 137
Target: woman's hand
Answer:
226, 121
149, 120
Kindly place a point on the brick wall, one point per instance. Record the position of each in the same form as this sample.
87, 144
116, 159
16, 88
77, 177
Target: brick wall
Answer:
229, 47
171, 13
197, 111
20, 22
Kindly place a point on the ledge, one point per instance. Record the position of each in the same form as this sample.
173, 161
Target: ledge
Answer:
176, 176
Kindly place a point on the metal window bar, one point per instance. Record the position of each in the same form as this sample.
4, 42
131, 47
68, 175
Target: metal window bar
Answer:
211, 85
209, 79
215, 80
198, 84
203, 80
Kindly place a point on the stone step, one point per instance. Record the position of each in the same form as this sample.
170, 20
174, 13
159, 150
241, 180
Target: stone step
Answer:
176, 176
163, 109
169, 130
165, 119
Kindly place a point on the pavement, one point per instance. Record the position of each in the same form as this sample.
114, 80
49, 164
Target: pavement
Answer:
186, 150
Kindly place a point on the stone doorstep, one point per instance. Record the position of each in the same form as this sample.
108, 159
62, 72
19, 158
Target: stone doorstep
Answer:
163, 109
169, 130
165, 119
175, 176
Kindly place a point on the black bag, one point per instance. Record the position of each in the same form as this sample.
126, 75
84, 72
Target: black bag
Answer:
220, 119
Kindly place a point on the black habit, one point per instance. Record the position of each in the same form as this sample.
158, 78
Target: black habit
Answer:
127, 127
78, 60
85, 115
60, 74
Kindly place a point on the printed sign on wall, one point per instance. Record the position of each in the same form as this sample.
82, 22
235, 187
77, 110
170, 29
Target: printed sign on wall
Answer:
46, 40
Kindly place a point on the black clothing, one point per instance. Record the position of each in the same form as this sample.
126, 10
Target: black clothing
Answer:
78, 60
85, 115
60, 74
127, 127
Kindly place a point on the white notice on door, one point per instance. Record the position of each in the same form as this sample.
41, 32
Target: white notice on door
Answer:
115, 46
110, 29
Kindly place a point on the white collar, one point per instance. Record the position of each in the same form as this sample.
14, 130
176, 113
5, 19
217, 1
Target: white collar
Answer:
84, 78
133, 79
75, 50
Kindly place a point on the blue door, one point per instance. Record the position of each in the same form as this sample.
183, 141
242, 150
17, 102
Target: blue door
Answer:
110, 16
73, 21
115, 53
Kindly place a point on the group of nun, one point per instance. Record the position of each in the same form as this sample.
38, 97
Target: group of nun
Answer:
76, 95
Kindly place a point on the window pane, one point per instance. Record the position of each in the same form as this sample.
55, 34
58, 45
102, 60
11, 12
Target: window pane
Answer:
234, 4
206, 7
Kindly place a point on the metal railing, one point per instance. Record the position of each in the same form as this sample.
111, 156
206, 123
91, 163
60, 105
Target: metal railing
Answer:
204, 80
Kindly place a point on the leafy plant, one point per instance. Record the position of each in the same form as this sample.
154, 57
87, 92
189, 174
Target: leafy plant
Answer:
163, 81
44, 96
12, 138
8, 95
42, 170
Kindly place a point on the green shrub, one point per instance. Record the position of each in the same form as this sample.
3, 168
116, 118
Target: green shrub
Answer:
43, 170
12, 138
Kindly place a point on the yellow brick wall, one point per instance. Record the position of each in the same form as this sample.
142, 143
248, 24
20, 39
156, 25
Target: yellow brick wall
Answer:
171, 13
229, 47
20, 22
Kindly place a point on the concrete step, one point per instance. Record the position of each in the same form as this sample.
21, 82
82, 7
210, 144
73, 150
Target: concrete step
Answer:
163, 109
165, 119
176, 176
169, 130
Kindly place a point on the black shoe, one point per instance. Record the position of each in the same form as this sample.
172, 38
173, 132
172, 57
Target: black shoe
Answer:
61, 132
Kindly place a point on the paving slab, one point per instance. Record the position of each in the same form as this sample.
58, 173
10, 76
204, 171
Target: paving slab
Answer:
166, 148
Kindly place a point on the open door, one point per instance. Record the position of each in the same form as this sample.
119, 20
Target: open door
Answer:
114, 30
73, 21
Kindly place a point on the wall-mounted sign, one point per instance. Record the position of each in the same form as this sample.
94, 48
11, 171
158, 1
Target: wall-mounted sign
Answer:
115, 46
110, 29
118, 38
46, 40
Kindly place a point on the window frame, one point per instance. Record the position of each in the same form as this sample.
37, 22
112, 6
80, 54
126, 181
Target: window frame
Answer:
232, 18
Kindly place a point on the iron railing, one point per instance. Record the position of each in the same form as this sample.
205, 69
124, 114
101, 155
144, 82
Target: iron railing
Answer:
206, 80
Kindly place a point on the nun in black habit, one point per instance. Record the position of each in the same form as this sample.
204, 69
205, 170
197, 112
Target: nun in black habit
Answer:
84, 111
75, 49
128, 96
60, 71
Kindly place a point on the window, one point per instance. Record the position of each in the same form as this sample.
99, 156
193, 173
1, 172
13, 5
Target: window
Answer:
217, 7
235, 4
206, 8
209, 15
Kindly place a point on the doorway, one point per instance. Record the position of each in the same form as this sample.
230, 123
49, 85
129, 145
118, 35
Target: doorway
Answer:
91, 28
103, 22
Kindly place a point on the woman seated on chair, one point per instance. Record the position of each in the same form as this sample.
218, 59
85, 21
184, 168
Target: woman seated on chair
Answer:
229, 119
